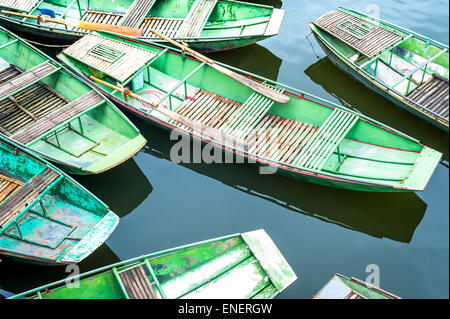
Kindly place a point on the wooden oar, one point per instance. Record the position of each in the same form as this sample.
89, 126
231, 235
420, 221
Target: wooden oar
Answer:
205, 131
93, 26
255, 86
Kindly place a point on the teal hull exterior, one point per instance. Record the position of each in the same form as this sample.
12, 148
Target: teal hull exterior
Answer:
351, 71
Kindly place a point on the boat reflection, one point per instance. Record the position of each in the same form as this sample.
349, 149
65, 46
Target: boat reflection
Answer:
29, 276
122, 188
382, 215
354, 95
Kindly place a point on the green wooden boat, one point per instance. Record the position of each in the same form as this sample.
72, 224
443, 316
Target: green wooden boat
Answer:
206, 25
407, 68
45, 216
241, 266
342, 287
308, 138
46, 107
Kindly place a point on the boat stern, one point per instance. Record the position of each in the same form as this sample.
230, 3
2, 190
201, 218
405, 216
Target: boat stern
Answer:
118, 156
274, 23
423, 169
270, 259
92, 240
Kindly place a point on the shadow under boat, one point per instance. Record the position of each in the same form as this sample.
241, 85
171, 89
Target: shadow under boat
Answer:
355, 96
16, 277
122, 188
381, 215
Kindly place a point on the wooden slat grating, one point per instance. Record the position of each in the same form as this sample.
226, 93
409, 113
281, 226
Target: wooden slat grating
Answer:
376, 40
137, 284
132, 59
27, 106
25, 195
196, 18
59, 116
137, 12
8, 186
100, 17
322, 145
166, 26
20, 5
433, 95
26, 78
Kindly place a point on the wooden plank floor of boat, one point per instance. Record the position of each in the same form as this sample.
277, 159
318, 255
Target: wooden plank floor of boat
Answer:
137, 284
21, 5
25, 195
28, 106
137, 12
196, 18
352, 30
8, 186
433, 95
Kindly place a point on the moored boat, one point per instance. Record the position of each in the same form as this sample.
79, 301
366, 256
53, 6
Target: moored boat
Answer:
308, 138
47, 108
206, 25
240, 266
407, 68
342, 287
45, 216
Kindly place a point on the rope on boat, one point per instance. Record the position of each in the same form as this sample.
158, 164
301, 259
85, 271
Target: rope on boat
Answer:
58, 46
318, 57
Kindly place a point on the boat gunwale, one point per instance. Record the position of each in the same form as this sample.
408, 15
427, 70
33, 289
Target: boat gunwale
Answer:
387, 88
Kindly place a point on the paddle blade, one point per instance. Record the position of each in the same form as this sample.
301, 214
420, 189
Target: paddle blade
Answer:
255, 86
132, 32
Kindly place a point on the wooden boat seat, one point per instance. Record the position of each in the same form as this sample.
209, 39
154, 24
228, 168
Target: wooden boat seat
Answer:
433, 95
59, 116
196, 18
25, 195
363, 36
327, 138
114, 58
166, 26
137, 284
100, 17
27, 106
137, 12
20, 5
26, 79
277, 138
8, 186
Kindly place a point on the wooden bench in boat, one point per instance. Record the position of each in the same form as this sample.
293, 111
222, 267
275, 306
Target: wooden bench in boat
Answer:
269, 136
367, 38
114, 58
196, 18
25, 195
137, 284
20, 5
25, 79
136, 14
61, 115
104, 17
433, 95
166, 26
27, 106
322, 144
8, 186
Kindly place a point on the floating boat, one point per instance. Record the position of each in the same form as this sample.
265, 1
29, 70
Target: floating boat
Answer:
342, 287
308, 138
47, 108
407, 68
242, 266
206, 25
45, 216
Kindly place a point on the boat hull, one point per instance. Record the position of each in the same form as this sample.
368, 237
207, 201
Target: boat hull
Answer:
280, 169
351, 71
57, 37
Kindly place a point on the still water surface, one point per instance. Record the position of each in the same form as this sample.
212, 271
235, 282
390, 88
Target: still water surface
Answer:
319, 230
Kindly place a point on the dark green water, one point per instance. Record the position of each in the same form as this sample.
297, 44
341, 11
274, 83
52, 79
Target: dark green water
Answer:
319, 230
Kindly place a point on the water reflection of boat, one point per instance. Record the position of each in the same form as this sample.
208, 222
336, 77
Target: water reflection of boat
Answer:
16, 276
354, 95
116, 189
381, 215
